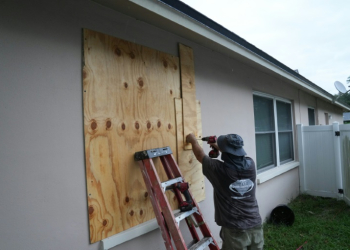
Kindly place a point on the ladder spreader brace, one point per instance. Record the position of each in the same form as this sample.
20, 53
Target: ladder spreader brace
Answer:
167, 221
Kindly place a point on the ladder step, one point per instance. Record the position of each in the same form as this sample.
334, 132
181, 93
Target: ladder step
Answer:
152, 153
202, 244
182, 215
168, 183
191, 243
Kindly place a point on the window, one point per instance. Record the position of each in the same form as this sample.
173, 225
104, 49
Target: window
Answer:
273, 131
311, 113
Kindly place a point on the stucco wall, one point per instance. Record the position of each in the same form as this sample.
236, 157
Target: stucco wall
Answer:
321, 107
327, 108
42, 172
281, 190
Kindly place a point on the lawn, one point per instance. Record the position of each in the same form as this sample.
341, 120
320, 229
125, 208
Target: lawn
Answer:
320, 224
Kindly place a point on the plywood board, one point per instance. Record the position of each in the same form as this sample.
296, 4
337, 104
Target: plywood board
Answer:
188, 90
128, 94
128, 107
190, 167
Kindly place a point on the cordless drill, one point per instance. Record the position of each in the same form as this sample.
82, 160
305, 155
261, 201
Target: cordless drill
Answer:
188, 204
214, 153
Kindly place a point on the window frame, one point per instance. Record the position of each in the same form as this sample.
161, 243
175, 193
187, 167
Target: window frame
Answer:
309, 117
276, 146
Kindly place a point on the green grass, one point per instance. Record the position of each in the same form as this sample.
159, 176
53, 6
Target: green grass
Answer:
323, 223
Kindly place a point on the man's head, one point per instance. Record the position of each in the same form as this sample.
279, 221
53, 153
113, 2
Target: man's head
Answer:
232, 144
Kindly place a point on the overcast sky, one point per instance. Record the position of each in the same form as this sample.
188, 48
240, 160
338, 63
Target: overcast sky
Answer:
312, 36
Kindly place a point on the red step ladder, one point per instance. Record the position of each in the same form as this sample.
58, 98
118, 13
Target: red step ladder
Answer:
167, 221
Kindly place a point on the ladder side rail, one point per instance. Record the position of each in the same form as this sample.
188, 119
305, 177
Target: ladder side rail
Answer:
203, 226
193, 230
165, 206
157, 211
170, 173
173, 165
198, 217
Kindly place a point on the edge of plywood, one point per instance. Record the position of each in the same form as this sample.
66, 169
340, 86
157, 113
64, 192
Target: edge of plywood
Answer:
188, 93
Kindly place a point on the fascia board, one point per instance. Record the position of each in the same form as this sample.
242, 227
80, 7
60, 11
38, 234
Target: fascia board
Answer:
196, 27
342, 105
216, 40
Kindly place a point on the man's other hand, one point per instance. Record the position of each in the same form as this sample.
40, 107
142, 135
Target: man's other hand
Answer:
215, 145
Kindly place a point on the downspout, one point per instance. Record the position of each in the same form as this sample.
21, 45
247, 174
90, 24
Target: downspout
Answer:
318, 122
299, 106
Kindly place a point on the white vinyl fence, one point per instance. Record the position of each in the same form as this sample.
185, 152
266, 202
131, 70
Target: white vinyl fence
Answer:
345, 156
324, 156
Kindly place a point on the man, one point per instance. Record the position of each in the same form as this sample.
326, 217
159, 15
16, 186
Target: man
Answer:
233, 180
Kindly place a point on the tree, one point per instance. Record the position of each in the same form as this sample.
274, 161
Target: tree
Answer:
343, 98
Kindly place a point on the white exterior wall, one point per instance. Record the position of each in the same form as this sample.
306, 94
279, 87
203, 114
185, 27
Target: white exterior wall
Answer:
42, 170
321, 107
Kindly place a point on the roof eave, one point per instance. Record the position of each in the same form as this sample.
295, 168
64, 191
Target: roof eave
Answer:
178, 18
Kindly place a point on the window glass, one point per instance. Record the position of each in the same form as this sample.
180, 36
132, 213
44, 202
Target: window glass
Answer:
311, 114
273, 146
265, 144
284, 116
286, 146
263, 113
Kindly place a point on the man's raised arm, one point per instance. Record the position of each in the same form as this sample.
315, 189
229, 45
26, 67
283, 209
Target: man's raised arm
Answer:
196, 148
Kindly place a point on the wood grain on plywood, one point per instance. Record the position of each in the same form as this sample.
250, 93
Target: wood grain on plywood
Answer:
188, 91
190, 167
128, 92
198, 178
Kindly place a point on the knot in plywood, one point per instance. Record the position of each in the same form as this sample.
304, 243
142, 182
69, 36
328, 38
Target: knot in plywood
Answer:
93, 125
117, 51
104, 223
132, 55
123, 126
91, 210
108, 124
149, 125
140, 82
137, 125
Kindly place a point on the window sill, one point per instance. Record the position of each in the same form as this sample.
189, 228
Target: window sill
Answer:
129, 234
276, 171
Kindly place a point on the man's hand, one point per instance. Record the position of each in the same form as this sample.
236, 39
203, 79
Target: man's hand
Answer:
190, 138
214, 145
197, 150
